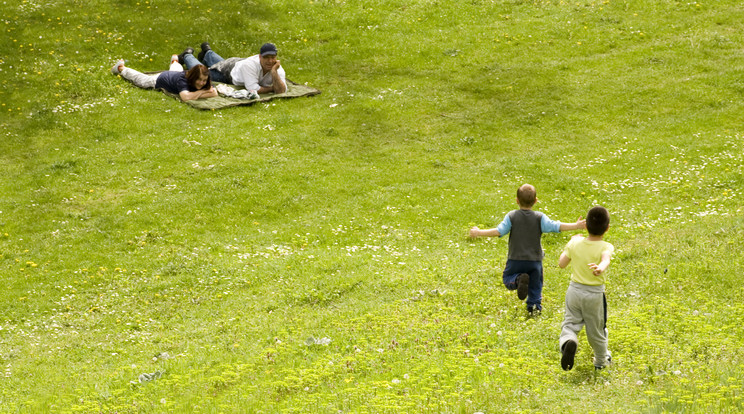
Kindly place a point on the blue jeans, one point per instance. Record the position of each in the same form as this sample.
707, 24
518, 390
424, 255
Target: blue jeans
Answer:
210, 58
514, 268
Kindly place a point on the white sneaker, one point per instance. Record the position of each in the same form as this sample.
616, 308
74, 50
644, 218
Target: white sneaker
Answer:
115, 69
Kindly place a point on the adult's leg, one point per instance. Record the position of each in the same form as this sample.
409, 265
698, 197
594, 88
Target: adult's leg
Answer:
210, 58
190, 61
139, 79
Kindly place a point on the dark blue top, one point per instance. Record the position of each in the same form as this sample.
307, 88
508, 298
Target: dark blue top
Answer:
173, 82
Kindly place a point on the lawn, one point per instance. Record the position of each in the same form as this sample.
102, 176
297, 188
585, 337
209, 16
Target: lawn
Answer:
311, 254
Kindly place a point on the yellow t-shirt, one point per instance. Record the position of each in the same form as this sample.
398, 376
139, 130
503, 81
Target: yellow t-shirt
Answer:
582, 251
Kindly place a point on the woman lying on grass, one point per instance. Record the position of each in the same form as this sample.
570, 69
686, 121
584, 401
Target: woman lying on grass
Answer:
194, 84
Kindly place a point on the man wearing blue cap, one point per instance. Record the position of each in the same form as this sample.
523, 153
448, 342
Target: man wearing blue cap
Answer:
262, 73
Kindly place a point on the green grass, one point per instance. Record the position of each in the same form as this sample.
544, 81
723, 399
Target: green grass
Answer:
141, 236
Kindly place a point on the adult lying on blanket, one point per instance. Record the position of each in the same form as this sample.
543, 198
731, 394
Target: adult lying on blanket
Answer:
193, 84
262, 73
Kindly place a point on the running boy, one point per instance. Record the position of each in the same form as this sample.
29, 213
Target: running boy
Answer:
586, 304
524, 270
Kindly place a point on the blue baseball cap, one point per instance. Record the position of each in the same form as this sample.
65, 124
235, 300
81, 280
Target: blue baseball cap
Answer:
268, 49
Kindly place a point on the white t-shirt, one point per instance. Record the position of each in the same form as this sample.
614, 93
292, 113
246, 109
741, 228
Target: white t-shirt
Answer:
248, 72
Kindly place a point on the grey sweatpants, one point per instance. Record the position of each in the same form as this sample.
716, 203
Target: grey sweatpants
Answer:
586, 306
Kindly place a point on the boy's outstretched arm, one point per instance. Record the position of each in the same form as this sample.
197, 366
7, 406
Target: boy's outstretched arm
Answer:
579, 225
602, 266
476, 232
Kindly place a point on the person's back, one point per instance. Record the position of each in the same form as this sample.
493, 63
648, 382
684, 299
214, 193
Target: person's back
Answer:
586, 304
525, 235
584, 252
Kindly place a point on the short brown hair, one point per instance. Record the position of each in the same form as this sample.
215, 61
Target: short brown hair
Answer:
597, 221
526, 195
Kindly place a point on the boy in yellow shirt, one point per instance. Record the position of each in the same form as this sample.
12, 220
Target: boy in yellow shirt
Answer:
586, 304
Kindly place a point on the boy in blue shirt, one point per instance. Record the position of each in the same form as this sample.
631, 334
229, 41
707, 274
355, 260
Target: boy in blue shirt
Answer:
586, 304
524, 269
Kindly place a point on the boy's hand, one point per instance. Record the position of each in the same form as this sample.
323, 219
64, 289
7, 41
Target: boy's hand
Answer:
475, 231
596, 269
581, 223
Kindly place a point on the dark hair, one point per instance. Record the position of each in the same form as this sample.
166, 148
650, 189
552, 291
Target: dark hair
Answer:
193, 75
597, 221
526, 195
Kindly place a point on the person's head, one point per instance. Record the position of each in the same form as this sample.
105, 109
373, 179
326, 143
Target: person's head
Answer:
198, 78
597, 221
267, 55
526, 196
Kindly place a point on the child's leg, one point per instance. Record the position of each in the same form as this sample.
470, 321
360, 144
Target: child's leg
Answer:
573, 318
512, 270
534, 295
139, 79
525, 276
595, 315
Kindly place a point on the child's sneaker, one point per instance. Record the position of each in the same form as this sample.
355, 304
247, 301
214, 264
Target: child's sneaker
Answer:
534, 310
568, 353
607, 363
115, 69
523, 285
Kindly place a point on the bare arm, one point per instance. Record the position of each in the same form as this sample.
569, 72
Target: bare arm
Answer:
276, 82
602, 266
579, 225
476, 232
203, 93
277, 86
563, 261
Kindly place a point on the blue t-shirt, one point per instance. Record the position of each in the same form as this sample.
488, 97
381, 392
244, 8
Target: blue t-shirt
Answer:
173, 82
546, 225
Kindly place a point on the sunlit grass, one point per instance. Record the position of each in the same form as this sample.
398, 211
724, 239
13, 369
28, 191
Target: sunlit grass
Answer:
311, 255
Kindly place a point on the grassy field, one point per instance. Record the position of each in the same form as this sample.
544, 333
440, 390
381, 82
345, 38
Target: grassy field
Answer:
311, 255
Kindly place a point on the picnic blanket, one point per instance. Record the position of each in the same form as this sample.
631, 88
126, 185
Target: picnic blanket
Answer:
294, 90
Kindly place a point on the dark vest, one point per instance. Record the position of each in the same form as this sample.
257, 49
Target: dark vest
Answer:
525, 234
